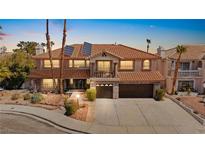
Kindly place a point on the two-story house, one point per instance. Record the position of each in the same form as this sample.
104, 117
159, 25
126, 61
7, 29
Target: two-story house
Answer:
116, 71
191, 72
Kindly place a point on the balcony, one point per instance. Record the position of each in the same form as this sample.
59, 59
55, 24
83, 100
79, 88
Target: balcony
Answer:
101, 74
189, 73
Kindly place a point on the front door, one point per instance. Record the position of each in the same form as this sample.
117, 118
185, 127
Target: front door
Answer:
79, 83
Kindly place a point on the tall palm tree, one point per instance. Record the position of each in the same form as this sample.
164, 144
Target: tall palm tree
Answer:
180, 50
0, 32
50, 53
148, 42
62, 58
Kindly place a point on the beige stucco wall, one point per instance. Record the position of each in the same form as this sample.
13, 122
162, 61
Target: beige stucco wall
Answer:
198, 81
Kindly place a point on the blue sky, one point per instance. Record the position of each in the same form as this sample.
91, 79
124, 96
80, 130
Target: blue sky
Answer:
167, 33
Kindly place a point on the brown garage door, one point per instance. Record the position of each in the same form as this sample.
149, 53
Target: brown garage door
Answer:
104, 91
135, 90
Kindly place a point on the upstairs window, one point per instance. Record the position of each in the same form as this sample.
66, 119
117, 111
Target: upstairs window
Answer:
70, 63
79, 63
103, 66
87, 63
184, 65
48, 65
126, 65
146, 64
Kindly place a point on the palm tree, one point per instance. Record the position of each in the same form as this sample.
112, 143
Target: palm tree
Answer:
50, 53
148, 42
180, 50
52, 43
43, 44
0, 32
62, 58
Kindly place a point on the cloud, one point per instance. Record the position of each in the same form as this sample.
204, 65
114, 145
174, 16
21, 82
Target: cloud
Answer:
4, 34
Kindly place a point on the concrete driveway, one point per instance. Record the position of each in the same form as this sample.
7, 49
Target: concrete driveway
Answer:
145, 116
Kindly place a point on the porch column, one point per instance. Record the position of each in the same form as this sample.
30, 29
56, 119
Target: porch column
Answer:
155, 87
115, 90
92, 69
115, 69
92, 84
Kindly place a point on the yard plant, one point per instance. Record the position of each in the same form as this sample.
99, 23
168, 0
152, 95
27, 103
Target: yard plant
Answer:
36, 98
91, 94
71, 106
15, 96
159, 94
27, 96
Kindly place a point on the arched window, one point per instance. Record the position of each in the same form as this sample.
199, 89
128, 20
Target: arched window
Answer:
146, 64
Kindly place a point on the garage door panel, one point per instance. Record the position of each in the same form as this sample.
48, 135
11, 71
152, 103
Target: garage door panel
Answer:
104, 91
135, 90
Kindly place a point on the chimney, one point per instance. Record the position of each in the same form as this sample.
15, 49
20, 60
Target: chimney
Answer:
161, 52
39, 49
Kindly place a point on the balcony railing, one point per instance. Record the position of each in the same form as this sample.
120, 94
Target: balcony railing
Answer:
101, 74
189, 73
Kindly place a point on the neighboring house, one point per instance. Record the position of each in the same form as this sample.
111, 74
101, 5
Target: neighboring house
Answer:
2, 49
40, 49
191, 73
116, 71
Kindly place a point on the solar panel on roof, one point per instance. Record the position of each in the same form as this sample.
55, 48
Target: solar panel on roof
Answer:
87, 48
68, 50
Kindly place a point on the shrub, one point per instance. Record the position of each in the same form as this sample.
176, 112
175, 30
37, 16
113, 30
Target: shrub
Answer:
188, 91
27, 96
36, 98
159, 94
91, 94
15, 96
71, 106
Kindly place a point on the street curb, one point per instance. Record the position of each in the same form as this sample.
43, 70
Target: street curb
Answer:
187, 109
44, 120
68, 125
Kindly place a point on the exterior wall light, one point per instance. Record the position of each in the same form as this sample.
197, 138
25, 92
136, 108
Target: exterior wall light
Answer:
77, 96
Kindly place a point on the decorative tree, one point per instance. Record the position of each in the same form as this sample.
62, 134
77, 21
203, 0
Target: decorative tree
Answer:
180, 50
50, 53
148, 42
62, 58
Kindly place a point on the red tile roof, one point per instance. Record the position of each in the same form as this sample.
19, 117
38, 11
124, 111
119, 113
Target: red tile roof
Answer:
72, 73
140, 76
121, 51
193, 52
